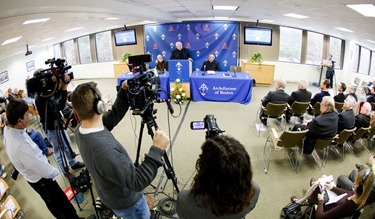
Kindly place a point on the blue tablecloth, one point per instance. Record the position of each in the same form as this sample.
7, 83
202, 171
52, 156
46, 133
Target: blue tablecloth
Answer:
221, 88
164, 86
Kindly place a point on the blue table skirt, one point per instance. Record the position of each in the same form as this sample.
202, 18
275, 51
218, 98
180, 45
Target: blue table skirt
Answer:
221, 88
164, 86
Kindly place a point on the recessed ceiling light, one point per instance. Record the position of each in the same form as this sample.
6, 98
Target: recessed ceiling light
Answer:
367, 10
267, 21
111, 18
296, 16
46, 39
344, 29
15, 39
35, 21
74, 29
225, 8
371, 41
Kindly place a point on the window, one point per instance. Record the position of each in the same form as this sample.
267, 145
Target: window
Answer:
372, 69
290, 45
364, 63
314, 48
103, 43
69, 52
355, 58
335, 50
57, 51
84, 50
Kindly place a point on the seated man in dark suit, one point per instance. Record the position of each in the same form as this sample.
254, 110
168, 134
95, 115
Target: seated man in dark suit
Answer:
322, 126
210, 64
278, 96
363, 119
324, 85
180, 53
340, 97
371, 97
352, 90
300, 95
347, 117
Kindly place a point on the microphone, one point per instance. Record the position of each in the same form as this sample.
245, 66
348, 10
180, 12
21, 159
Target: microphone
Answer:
234, 72
170, 108
204, 69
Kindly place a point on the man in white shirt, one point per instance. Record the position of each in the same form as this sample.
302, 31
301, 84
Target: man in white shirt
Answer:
28, 159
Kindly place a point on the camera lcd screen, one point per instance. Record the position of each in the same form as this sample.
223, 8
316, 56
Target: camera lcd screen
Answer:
197, 125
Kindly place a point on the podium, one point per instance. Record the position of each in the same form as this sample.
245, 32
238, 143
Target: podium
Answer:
179, 69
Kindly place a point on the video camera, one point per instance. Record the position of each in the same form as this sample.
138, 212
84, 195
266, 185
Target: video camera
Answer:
209, 123
142, 91
45, 81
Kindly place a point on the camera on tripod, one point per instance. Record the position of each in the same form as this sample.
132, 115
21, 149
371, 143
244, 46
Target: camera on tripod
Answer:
209, 123
45, 81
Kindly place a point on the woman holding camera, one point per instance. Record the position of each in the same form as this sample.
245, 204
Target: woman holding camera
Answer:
223, 186
348, 205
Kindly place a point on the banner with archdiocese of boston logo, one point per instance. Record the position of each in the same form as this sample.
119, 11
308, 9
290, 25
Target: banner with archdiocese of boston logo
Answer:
200, 38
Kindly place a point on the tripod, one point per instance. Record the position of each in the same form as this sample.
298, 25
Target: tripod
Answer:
148, 118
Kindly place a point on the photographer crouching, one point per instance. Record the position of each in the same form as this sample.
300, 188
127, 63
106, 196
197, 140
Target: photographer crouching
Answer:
118, 182
28, 159
49, 101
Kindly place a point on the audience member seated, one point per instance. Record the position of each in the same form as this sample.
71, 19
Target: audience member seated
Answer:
324, 85
371, 97
223, 185
210, 64
300, 95
340, 97
15, 93
354, 199
363, 119
347, 182
323, 126
10, 94
22, 95
352, 90
278, 96
347, 117
161, 64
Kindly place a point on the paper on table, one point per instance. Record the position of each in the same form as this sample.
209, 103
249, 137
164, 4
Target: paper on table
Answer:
210, 72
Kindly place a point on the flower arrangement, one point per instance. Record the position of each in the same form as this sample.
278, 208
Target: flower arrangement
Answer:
178, 92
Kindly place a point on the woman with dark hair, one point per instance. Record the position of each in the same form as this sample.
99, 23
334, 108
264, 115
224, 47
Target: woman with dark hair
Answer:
223, 186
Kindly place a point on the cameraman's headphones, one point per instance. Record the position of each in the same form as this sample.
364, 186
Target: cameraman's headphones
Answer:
98, 104
363, 180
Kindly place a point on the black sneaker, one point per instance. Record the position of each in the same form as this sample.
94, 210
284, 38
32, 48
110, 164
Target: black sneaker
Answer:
78, 165
264, 121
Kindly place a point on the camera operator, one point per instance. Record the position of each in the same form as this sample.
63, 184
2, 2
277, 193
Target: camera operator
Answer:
118, 182
28, 159
58, 99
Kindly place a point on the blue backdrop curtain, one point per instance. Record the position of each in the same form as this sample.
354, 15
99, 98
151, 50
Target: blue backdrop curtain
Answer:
200, 38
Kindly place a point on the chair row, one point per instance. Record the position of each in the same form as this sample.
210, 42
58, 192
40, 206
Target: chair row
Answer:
9, 207
291, 141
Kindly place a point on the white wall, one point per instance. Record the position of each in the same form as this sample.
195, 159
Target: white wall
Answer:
95, 70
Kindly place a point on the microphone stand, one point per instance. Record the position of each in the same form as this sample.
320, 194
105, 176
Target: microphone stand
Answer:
204, 70
234, 72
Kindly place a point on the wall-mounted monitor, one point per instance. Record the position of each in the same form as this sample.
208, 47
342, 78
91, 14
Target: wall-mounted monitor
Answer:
125, 37
258, 36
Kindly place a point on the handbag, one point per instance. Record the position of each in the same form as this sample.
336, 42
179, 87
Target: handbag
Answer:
292, 211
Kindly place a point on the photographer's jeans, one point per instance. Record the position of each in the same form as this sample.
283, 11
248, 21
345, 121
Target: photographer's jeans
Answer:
52, 137
139, 211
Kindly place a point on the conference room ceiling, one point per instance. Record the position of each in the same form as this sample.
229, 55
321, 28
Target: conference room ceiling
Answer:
323, 15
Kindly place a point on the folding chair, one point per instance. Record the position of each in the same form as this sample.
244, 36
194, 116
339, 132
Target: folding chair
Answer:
320, 144
341, 140
286, 140
10, 209
338, 106
316, 109
360, 134
298, 109
4, 190
274, 111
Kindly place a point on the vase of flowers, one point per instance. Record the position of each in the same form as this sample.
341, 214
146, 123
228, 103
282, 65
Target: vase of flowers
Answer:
178, 93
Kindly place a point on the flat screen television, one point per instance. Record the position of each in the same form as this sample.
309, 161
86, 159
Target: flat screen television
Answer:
125, 37
258, 36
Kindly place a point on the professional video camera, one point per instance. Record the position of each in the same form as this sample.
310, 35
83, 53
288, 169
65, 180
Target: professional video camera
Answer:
142, 91
209, 123
45, 81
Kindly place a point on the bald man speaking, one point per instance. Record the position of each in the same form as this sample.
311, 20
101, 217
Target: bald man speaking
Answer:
210, 64
180, 53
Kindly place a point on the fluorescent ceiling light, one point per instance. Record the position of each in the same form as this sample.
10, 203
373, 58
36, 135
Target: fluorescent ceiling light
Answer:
221, 18
35, 21
32, 46
344, 29
15, 39
267, 21
73, 29
225, 8
46, 39
367, 10
296, 16
371, 41
111, 18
